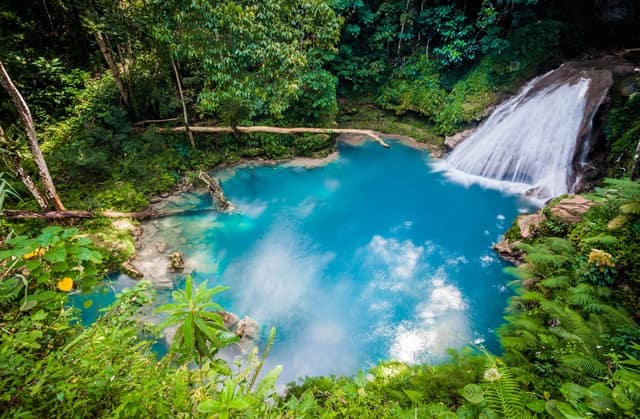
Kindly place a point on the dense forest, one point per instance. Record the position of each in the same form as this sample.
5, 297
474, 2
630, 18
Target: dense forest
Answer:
103, 107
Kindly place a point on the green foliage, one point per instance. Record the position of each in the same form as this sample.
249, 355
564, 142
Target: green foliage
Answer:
622, 129
257, 62
416, 87
34, 268
200, 329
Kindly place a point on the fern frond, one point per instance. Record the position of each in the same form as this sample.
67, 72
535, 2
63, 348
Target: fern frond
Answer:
503, 394
594, 308
552, 308
589, 366
618, 221
602, 292
615, 318
575, 322
581, 299
560, 246
631, 208
515, 343
602, 240
530, 296
526, 324
562, 333
555, 282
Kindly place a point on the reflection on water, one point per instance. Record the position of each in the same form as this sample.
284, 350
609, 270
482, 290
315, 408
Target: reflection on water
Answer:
371, 257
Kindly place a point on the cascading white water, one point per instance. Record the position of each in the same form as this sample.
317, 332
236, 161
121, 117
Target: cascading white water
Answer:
530, 142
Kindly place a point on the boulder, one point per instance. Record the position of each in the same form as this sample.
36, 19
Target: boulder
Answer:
131, 271
571, 209
176, 262
508, 251
230, 319
247, 328
528, 224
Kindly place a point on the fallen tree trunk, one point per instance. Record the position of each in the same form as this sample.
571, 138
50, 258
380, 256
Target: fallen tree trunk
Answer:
61, 215
217, 195
154, 121
276, 130
66, 215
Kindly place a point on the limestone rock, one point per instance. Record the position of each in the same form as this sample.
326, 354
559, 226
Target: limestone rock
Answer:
571, 209
131, 271
176, 262
247, 328
161, 247
230, 319
457, 138
528, 224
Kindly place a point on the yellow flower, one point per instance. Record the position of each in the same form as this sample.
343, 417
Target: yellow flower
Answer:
65, 284
38, 252
601, 259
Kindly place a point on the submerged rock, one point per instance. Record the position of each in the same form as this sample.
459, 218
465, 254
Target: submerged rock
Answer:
161, 247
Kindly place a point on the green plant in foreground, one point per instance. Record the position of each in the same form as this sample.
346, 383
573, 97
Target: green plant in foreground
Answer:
32, 269
200, 329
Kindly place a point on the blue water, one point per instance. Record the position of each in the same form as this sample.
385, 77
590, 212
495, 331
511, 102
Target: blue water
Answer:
371, 257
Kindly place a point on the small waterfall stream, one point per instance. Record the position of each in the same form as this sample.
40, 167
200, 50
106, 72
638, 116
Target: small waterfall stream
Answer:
535, 142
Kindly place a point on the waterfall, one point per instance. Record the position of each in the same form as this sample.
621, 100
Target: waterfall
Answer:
535, 142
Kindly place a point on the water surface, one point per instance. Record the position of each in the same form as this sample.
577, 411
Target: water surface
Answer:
371, 257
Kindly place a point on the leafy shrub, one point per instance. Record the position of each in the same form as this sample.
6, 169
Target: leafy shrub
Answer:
123, 196
415, 86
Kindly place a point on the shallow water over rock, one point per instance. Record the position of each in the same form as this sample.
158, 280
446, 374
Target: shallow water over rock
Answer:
370, 257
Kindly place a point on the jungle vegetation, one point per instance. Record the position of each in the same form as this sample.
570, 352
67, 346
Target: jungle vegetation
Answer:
88, 86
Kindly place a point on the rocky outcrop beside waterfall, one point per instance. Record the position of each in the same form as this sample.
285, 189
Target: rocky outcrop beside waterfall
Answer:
526, 227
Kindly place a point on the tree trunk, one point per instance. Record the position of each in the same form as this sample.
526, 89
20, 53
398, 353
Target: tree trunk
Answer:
24, 177
403, 20
216, 192
635, 166
184, 105
73, 214
25, 115
106, 53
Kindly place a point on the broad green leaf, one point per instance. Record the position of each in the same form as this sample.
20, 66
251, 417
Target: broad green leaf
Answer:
472, 393
536, 406
568, 411
573, 392
600, 399
620, 398
57, 254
